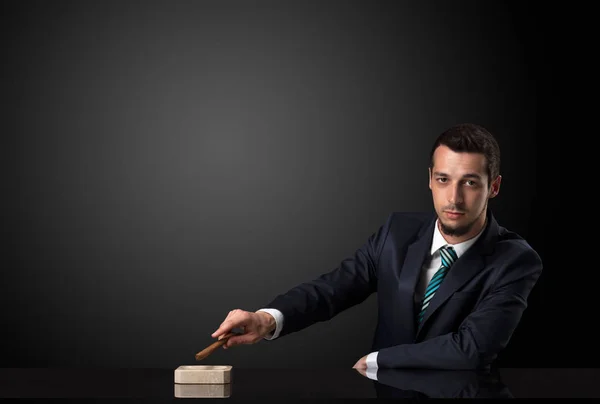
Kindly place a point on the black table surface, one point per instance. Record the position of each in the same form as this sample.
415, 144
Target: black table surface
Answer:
292, 384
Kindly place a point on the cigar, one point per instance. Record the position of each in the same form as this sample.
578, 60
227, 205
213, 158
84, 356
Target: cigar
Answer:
213, 347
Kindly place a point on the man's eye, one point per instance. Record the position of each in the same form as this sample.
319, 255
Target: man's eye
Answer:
470, 183
442, 179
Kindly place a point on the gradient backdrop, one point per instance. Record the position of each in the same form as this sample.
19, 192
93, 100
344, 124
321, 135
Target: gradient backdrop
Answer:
167, 161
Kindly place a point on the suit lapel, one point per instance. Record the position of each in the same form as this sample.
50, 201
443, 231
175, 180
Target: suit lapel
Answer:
410, 273
467, 266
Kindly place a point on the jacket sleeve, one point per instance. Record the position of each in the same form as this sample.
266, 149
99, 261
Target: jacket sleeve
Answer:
349, 284
483, 333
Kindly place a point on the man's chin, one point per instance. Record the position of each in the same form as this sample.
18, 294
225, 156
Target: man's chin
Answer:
453, 229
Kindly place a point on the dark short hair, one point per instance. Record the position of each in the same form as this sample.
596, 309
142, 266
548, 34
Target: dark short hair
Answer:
471, 138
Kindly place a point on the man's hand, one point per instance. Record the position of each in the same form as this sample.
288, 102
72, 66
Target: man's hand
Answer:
362, 371
361, 364
255, 325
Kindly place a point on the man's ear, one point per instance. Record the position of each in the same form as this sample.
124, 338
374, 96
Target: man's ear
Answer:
429, 170
495, 188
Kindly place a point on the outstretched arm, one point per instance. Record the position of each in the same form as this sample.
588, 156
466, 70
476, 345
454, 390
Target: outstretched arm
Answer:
317, 300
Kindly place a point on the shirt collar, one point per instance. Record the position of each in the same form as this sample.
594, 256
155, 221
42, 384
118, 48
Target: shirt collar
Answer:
460, 248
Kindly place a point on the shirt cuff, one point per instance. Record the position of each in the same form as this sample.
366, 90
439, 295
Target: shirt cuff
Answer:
372, 373
372, 365
278, 316
372, 360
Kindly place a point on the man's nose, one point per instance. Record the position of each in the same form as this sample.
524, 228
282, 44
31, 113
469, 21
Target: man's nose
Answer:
455, 196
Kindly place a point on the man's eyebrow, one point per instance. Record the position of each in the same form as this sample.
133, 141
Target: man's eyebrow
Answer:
472, 175
468, 175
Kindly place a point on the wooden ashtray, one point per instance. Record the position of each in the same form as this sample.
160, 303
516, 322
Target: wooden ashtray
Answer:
203, 374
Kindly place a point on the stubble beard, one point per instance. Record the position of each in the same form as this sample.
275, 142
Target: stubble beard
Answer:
455, 231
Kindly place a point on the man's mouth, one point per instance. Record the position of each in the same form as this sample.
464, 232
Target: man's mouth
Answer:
453, 214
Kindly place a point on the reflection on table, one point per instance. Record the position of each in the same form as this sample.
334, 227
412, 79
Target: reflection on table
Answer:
283, 384
202, 390
423, 383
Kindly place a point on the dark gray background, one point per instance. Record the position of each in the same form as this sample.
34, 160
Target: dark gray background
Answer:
168, 161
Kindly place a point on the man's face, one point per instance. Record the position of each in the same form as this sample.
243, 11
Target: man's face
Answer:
460, 188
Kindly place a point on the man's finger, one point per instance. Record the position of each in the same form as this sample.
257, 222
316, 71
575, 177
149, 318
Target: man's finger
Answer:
224, 328
241, 339
235, 319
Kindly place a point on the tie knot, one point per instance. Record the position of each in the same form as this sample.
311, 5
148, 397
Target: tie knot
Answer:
448, 256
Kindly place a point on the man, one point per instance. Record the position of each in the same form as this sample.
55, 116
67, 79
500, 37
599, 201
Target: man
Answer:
451, 286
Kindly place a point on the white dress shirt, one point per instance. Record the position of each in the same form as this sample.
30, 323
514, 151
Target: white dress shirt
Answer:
429, 269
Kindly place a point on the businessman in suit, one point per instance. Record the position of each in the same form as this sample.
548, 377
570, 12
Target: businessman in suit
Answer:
451, 285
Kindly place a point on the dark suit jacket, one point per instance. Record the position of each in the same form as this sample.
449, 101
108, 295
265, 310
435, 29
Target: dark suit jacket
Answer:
471, 317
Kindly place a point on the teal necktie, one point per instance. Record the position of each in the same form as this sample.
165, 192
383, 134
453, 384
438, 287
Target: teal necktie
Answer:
448, 258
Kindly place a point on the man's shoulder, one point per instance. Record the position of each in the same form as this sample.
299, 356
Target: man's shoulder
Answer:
512, 243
